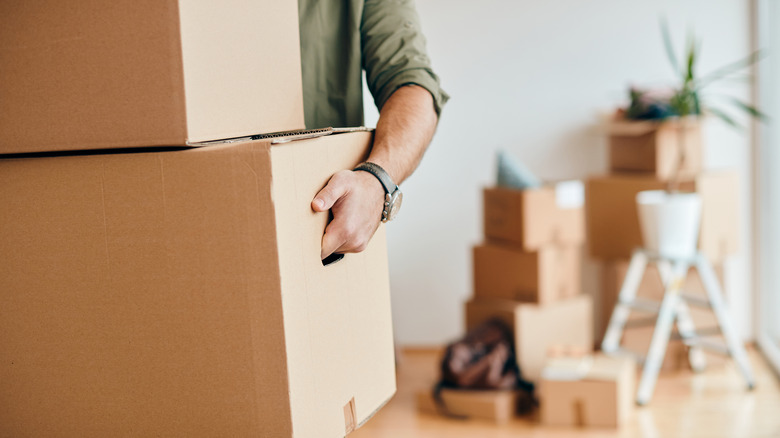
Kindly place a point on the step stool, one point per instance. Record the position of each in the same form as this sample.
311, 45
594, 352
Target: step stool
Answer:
673, 308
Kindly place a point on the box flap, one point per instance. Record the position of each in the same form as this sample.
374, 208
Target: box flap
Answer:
567, 368
630, 127
609, 368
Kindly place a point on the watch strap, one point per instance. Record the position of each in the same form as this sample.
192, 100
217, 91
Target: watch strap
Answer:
380, 174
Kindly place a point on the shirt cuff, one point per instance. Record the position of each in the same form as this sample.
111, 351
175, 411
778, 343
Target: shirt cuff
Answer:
415, 76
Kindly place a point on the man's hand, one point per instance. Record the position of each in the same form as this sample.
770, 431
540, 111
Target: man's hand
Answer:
356, 199
405, 127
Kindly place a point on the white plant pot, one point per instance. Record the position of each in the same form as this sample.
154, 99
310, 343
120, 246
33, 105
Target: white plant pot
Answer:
670, 222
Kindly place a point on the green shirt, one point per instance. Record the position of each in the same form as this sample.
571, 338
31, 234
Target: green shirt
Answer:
340, 38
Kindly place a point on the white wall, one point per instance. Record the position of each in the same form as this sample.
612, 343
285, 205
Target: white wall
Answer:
530, 77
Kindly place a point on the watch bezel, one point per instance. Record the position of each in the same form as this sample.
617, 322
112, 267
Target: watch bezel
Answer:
392, 205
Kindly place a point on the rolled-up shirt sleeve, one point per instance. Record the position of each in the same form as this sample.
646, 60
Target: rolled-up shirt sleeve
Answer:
393, 51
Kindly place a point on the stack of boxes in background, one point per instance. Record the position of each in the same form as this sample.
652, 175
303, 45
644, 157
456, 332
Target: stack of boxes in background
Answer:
173, 290
527, 271
527, 274
642, 157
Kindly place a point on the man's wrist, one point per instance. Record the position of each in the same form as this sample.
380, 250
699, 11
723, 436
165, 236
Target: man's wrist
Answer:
371, 181
380, 174
393, 196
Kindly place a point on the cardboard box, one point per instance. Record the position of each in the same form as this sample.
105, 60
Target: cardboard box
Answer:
532, 218
637, 338
613, 224
182, 294
537, 328
601, 396
496, 406
544, 276
95, 75
652, 148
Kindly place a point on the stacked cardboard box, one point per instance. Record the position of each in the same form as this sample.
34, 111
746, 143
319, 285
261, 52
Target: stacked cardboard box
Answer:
175, 290
642, 157
527, 271
588, 391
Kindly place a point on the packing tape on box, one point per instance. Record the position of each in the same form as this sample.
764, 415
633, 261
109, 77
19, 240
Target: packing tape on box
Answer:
570, 194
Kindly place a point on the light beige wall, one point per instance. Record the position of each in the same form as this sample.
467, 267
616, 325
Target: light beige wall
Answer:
530, 77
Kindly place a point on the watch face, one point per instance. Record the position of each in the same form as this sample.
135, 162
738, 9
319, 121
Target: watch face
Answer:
395, 205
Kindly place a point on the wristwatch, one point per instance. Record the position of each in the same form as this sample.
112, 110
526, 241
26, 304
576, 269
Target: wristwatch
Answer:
393, 195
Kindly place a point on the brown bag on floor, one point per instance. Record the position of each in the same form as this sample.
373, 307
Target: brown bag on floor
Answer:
484, 359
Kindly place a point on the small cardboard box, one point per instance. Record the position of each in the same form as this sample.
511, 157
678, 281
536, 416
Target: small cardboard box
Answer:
601, 396
534, 218
652, 148
637, 338
182, 294
97, 75
503, 271
538, 328
613, 223
496, 406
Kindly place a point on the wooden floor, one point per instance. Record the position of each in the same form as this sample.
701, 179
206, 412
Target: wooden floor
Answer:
712, 404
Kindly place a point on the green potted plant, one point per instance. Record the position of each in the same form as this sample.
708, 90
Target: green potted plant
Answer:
670, 219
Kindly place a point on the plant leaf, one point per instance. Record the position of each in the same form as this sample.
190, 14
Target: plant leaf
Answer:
691, 60
725, 117
668, 45
750, 109
730, 68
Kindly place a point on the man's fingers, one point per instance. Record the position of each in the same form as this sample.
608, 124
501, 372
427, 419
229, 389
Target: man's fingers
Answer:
342, 237
335, 189
332, 240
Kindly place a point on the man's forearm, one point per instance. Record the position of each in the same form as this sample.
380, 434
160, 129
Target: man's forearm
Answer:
406, 126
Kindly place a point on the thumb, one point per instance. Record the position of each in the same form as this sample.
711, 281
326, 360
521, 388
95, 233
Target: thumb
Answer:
332, 192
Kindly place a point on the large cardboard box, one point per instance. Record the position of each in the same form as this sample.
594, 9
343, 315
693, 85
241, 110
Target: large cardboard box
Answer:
95, 75
182, 294
613, 223
503, 271
538, 328
601, 396
532, 218
495, 406
653, 148
637, 335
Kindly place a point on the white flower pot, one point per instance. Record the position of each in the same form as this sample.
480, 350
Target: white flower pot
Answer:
670, 222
